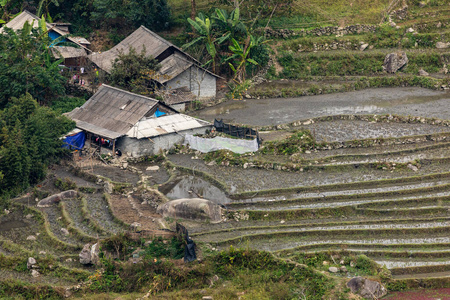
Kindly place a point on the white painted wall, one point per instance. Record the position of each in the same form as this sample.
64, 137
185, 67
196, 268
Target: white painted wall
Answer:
141, 147
192, 78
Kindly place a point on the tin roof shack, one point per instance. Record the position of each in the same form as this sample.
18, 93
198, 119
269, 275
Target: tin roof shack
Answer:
178, 69
73, 56
138, 125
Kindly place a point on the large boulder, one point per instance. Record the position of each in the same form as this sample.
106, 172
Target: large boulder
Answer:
56, 198
395, 61
89, 254
194, 209
366, 288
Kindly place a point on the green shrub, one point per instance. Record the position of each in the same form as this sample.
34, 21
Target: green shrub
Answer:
65, 184
366, 265
299, 141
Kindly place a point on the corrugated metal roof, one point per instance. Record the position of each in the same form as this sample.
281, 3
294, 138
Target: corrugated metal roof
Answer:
111, 112
67, 52
163, 125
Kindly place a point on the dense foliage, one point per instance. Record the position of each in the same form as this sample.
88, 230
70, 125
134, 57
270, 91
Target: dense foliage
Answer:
153, 14
134, 71
29, 140
229, 46
26, 66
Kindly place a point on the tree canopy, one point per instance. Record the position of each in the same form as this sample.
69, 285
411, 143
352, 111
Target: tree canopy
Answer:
26, 66
134, 71
29, 140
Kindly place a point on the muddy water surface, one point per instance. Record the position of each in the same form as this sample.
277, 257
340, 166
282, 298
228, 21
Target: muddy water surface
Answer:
272, 111
194, 187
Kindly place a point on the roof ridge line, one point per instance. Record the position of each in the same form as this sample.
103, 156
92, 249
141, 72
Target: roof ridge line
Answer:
128, 92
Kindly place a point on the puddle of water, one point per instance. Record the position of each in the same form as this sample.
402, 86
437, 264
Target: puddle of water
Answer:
193, 187
368, 109
8, 225
410, 100
227, 108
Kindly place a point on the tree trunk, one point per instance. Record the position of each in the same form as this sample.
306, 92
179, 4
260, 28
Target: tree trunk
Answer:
193, 9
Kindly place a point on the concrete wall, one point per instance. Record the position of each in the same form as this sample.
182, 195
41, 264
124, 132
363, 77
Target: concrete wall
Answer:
191, 78
181, 107
140, 147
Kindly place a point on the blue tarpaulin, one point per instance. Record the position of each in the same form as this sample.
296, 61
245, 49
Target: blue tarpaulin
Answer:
75, 142
159, 113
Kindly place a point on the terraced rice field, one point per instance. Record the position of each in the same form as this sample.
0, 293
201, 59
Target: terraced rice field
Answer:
364, 200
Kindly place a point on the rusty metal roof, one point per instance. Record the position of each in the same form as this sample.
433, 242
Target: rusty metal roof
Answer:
67, 52
163, 125
111, 112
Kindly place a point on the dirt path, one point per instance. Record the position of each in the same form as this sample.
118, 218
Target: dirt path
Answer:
400, 101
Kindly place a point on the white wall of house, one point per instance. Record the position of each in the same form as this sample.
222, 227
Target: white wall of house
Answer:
193, 78
141, 147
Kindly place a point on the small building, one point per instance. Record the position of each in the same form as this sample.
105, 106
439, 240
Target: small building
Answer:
73, 56
136, 124
178, 69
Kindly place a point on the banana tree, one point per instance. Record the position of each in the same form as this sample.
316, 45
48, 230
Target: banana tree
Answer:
203, 26
230, 23
241, 57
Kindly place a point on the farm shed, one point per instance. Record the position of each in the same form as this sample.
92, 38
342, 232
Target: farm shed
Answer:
136, 124
178, 69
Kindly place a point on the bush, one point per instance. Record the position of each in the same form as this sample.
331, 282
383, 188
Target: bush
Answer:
366, 265
299, 141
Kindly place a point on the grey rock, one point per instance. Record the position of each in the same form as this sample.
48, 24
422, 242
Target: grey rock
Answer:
108, 187
31, 238
343, 269
29, 216
95, 249
333, 269
136, 227
366, 288
363, 47
194, 209
410, 30
395, 61
35, 273
422, 72
153, 168
85, 255
441, 45
89, 254
413, 167
56, 198
65, 231
30, 262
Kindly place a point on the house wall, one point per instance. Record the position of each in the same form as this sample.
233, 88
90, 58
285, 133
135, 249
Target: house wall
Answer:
189, 77
141, 147
181, 107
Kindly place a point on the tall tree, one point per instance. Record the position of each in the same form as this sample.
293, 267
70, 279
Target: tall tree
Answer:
29, 140
135, 71
27, 66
